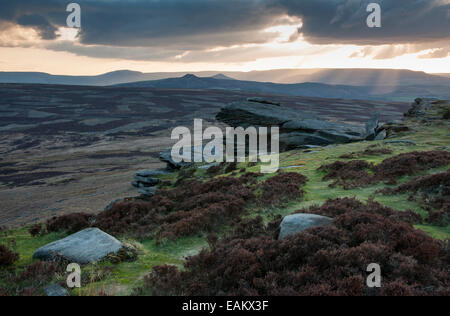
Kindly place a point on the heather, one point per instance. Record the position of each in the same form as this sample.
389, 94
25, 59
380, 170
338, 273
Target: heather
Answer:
190, 208
360, 173
321, 261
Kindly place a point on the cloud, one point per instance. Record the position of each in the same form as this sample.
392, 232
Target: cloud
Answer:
344, 21
46, 30
163, 29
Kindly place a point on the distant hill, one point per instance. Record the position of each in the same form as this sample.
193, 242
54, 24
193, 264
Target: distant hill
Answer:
354, 77
357, 77
375, 84
404, 93
222, 76
191, 81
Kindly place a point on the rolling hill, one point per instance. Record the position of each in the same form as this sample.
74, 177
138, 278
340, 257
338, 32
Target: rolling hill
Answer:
309, 89
358, 77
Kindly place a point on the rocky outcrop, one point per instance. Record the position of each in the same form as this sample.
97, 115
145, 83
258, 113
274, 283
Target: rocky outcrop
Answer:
166, 156
84, 247
296, 223
297, 129
146, 181
420, 107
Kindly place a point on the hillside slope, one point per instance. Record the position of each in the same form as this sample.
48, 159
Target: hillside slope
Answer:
417, 136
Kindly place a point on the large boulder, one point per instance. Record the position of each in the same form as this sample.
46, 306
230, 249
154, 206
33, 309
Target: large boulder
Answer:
296, 223
297, 129
84, 247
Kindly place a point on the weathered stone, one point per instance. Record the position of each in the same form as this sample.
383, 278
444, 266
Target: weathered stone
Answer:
381, 135
151, 173
148, 181
334, 132
148, 191
420, 107
110, 205
84, 247
263, 101
166, 156
210, 165
371, 127
297, 128
301, 140
296, 223
56, 290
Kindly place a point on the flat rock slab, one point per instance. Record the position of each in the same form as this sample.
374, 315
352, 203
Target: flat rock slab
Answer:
151, 173
56, 290
84, 247
296, 223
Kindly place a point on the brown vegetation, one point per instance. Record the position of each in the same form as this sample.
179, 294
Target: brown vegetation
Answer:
433, 191
359, 173
320, 261
7, 257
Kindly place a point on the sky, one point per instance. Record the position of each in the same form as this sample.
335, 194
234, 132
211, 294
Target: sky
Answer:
222, 35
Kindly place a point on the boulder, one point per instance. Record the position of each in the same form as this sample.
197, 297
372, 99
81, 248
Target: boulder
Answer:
86, 246
166, 156
148, 191
55, 290
372, 126
245, 114
296, 223
420, 107
381, 135
151, 173
296, 140
297, 129
147, 181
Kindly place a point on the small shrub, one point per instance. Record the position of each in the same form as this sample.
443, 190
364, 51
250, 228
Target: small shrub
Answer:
368, 152
36, 230
4, 293
349, 175
282, 188
71, 223
214, 170
39, 273
446, 115
231, 167
7, 257
433, 191
409, 164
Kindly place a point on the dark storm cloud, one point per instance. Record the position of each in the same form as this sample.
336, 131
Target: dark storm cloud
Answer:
200, 24
46, 30
344, 21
